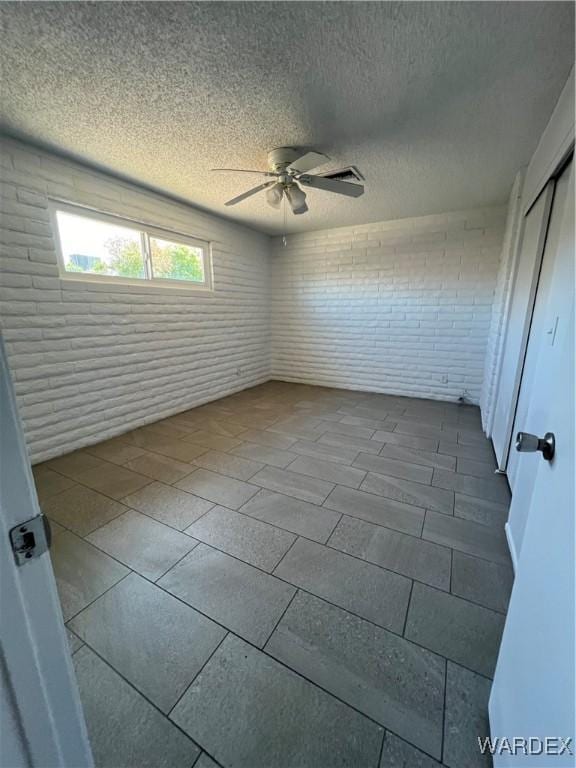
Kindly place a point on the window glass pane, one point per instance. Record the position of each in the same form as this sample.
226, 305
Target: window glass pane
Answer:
176, 261
95, 247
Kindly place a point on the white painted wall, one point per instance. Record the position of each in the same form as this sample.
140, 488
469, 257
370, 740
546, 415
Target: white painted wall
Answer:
501, 304
90, 361
399, 306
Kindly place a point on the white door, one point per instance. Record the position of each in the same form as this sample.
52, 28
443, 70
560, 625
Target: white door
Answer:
41, 719
537, 338
534, 694
518, 326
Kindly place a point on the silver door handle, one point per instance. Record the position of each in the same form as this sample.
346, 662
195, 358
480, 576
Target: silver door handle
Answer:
527, 443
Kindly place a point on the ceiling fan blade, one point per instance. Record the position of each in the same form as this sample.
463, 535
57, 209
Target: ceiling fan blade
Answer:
244, 170
250, 192
332, 185
274, 195
308, 161
297, 199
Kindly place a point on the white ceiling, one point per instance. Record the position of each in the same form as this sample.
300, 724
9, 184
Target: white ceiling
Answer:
437, 103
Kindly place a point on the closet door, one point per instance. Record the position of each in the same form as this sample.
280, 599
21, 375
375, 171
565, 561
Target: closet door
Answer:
523, 295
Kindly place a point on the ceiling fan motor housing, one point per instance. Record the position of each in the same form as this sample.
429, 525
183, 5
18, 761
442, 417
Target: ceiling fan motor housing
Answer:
281, 157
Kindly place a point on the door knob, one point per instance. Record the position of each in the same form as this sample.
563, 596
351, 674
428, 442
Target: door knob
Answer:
527, 443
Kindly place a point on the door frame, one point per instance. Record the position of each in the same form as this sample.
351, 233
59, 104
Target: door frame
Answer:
554, 149
45, 722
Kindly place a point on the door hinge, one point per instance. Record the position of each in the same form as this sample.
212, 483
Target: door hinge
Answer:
30, 539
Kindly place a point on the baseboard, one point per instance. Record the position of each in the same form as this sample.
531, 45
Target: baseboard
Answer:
351, 387
511, 547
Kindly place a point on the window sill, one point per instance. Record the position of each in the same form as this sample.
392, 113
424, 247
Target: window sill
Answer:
126, 285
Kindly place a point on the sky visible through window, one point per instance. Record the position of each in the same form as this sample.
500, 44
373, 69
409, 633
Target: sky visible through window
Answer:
84, 237
96, 247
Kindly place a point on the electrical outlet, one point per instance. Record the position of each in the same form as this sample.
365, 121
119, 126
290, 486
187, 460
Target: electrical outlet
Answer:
445, 379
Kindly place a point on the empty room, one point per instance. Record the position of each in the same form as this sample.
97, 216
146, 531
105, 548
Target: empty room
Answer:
287, 385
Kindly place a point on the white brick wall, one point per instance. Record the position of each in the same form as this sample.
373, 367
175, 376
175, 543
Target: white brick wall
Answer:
89, 360
402, 306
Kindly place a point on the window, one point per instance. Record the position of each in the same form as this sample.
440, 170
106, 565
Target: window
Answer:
102, 247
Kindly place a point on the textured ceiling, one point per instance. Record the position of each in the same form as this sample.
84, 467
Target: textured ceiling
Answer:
437, 103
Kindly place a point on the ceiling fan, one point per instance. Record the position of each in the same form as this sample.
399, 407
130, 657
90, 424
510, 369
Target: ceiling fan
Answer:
289, 168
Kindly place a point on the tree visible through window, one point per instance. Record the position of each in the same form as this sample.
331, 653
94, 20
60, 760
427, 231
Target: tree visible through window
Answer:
176, 261
92, 246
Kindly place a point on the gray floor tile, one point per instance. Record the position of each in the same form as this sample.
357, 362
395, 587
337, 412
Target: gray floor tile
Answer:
397, 753
386, 466
410, 493
235, 594
223, 426
125, 729
416, 456
463, 535
152, 639
466, 718
113, 480
337, 454
142, 543
328, 471
481, 469
178, 449
251, 540
482, 581
299, 517
377, 509
396, 551
467, 436
73, 464
272, 439
82, 572
495, 489
168, 505
275, 457
351, 430
159, 467
293, 484
362, 588
480, 510
251, 712
370, 423
462, 631
419, 429
408, 441
393, 681
166, 428
225, 464
383, 417
204, 761
116, 451
299, 426
73, 641
55, 528
162, 444
49, 483
145, 438
476, 452
220, 489
354, 443
82, 510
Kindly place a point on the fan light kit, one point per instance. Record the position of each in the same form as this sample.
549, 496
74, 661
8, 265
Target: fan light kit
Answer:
289, 169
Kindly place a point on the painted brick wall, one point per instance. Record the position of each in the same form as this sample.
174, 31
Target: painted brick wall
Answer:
90, 361
401, 306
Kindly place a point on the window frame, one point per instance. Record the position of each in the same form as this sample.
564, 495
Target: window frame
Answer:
146, 231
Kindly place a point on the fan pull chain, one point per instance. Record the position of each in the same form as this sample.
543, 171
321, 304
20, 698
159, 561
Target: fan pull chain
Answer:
284, 239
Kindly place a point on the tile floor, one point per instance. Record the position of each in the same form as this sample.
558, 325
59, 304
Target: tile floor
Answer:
289, 577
